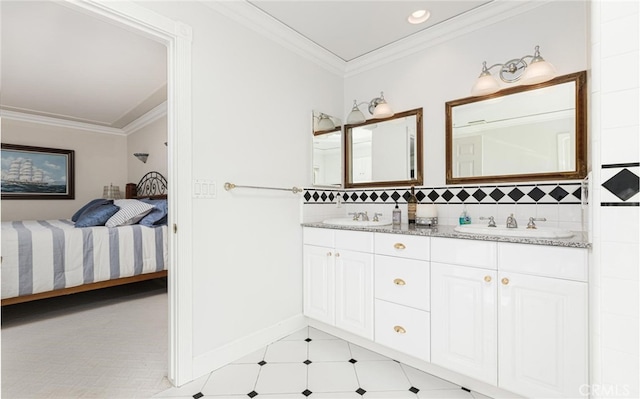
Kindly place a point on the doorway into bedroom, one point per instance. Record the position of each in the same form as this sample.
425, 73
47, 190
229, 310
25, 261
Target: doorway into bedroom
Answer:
74, 81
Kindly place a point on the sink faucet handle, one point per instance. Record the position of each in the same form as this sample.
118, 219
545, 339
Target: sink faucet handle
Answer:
492, 221
355, 215
532, 220
375, 216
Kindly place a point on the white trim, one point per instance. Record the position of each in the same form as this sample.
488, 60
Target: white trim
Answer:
158, 112
48, 120
226, 354
177, 36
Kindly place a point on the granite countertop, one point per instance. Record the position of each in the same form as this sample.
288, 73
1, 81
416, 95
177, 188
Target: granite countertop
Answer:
579, 239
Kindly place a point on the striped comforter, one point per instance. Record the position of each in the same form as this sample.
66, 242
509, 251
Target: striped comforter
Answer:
46, 255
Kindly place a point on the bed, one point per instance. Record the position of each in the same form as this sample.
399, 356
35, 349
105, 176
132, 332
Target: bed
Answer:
48, 258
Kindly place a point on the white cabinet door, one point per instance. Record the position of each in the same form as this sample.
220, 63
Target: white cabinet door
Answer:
354, 292
543, 339
464, 320
319, 287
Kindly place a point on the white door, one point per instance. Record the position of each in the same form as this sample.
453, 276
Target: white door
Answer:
354, 292
464, 320
543, 340
319, 287
468, 156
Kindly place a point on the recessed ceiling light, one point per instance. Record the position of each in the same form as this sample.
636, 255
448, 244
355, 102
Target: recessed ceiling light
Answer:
418, 16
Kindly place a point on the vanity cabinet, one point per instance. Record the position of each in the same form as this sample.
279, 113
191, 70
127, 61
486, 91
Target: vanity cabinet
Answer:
516, 318
402, 292
338, 279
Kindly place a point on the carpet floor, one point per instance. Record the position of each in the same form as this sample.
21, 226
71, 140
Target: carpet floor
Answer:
109, 343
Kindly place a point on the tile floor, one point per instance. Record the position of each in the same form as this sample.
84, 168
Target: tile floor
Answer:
313, 364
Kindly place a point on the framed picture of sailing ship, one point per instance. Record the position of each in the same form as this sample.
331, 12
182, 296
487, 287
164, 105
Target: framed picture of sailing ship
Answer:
37, 172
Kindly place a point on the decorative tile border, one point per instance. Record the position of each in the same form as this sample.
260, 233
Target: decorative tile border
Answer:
541, 193
621, 184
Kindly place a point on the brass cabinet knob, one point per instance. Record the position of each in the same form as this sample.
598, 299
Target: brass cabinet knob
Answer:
329, 254
505, 281
399, 281
487, 279
337, 254
399, 245
399, 329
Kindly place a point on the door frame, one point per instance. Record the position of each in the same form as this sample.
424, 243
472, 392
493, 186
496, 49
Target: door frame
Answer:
177, 36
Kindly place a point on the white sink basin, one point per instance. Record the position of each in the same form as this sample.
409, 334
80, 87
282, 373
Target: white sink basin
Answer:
503, 231
357, 223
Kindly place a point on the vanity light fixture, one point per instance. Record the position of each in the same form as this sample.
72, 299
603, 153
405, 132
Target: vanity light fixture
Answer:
324, 123
536, 71
378, 107
142, 156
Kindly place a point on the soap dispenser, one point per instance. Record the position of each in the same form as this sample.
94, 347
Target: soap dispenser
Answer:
464, 217
397, 215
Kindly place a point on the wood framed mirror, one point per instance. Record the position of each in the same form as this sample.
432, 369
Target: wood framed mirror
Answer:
523, 133
384, 152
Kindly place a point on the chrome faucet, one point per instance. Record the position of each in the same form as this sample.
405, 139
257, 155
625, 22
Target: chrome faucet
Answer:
492, 221
511, 222
532, 224
365, 217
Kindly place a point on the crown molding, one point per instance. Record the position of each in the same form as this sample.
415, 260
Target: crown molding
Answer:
58, 122
151, 116
156, 113
255, 19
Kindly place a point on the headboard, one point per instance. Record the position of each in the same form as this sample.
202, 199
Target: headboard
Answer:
152, 185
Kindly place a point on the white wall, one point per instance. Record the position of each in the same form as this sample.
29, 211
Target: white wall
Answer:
252, 102
99, 161
149, 139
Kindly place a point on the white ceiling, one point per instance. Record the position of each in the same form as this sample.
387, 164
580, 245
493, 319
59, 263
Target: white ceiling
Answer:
350, 29
59, 62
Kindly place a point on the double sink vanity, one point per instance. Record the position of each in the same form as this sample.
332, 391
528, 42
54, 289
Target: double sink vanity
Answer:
495, 307
508, 311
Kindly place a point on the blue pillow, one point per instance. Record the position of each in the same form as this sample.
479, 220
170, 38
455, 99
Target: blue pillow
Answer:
90, 204
97, 216
158, 214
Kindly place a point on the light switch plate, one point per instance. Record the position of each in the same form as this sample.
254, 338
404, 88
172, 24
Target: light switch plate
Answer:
203, 188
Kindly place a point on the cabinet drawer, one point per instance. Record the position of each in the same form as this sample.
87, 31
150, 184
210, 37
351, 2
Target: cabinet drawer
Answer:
403, 281
472, 253
547, 261
404, 246
318, 237
360, 241
402, 328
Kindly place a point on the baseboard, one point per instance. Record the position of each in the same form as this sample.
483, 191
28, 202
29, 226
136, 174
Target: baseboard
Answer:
235, 350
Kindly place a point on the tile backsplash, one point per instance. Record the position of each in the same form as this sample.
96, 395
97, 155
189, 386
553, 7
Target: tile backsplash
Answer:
562, 204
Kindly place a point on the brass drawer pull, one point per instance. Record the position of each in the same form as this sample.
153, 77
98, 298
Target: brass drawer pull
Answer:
399, 329
399, 245
505, 281
399, 281
487, 279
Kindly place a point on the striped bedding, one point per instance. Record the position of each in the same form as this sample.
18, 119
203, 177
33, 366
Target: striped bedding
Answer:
46, 255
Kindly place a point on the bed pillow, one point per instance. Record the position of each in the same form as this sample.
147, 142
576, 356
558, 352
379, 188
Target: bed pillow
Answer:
97, 215
88, 205
131, 211
158, 215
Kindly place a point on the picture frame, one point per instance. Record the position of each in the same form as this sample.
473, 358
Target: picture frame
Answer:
37, 173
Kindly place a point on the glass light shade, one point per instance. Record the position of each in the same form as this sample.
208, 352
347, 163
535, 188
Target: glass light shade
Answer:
538, 71
325, 123
111, 192
485, 84
382, 110
355, 116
